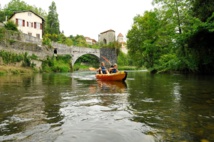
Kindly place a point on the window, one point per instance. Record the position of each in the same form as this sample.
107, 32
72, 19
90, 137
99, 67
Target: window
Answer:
20, 23
37, 25
30, 34
29, 24
23, 23
29, 14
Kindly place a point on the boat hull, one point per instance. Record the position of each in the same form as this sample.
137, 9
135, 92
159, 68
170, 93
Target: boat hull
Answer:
119, 76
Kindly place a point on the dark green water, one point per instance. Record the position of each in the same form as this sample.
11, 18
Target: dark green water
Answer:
78, 108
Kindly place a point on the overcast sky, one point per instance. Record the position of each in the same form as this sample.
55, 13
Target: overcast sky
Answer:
91, 17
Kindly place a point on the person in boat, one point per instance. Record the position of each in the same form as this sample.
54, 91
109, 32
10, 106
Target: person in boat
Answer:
113, 69
102, 69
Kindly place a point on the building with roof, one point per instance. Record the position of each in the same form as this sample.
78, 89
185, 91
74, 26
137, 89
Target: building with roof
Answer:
90, 41
106, 37
29, 22
120, 38
122, 42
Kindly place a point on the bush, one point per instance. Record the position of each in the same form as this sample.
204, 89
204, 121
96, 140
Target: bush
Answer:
122, 59
9, 57
57, 64
2, 31
10, 25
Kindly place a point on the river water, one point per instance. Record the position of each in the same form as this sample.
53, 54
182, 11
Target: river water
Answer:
75, 107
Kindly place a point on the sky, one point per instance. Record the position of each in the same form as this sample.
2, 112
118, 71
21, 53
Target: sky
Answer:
92, 17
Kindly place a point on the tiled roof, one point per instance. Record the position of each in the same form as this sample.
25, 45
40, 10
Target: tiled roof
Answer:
120, 35
107, 31
90, 39
26, 11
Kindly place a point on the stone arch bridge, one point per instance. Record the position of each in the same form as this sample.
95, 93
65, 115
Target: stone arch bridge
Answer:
76, 52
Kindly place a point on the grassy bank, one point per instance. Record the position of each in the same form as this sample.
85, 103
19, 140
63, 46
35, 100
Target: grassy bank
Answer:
8, 70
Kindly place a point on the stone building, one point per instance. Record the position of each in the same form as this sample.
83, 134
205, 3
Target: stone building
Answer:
122, 42
106, 37
120, 38
109, 36
90, 41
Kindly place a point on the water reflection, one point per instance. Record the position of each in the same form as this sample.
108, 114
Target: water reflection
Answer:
29, 101
77, 107
97, 111
112, 86
174, 107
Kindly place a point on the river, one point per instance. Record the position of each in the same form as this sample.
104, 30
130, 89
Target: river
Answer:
75, 107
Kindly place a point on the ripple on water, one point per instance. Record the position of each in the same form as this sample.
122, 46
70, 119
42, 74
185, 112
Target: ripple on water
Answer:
90, 118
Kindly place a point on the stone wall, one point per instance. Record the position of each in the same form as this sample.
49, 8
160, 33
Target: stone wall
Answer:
12, 35
106, 37
109, 54
22, 47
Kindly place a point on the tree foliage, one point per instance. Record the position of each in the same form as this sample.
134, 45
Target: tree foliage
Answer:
10, 25
19, 5
200, 42
143, 40
202, 9
78, 40
176, 35
52, 24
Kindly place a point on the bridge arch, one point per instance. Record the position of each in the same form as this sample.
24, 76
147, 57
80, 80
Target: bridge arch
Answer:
80, 51
76, 57
77, 52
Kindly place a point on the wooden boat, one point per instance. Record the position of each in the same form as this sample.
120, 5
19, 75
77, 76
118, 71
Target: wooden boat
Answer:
119, 76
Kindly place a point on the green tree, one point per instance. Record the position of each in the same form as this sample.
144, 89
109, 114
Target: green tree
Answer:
2, 16
122, 59
78, 40
10, 25
143, 40
19, 5
178, 25
68, 41
200, 40
202, 9
52, 24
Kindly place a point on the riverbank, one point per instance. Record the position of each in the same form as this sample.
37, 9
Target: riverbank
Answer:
7, 69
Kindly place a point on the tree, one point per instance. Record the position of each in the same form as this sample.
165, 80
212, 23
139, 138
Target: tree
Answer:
202, 9
200, 41
78, 40
179, 25
52, 24
143, 40
18, 5
2, 16
10, 25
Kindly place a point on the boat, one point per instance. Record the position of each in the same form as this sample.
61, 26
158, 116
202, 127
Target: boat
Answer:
119, 76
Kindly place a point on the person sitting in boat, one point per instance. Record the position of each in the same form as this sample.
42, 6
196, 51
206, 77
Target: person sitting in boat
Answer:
102, 69
113, 69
